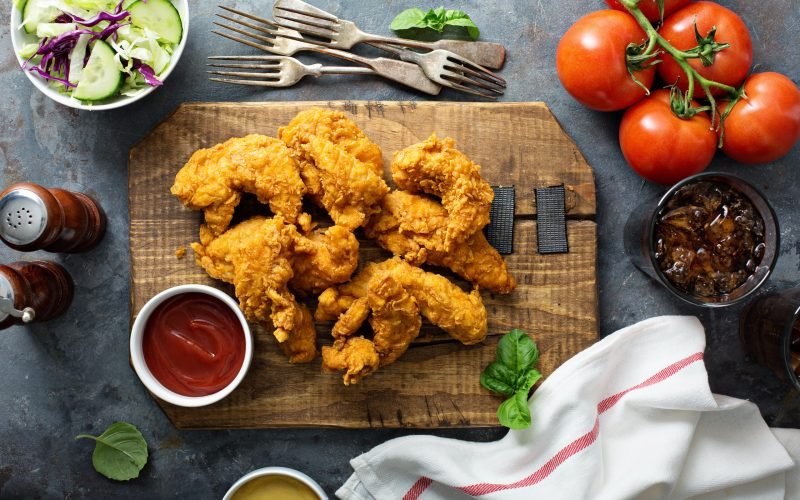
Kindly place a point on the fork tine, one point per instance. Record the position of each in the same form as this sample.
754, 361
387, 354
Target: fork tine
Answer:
258, 37
475, 70
469, 77
274, 68
256, 83
248, 58
305, 28
256, 27
245, 74
468, 90
457, 78
250, 16
267, 48
306, 10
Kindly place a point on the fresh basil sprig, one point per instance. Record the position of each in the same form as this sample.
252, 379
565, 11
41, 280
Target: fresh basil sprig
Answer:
120, 452
512, 374
434, 19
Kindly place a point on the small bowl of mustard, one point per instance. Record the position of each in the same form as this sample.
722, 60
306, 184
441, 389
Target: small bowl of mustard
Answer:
275, 483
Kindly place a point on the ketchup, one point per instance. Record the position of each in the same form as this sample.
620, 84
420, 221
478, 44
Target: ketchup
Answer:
194, 344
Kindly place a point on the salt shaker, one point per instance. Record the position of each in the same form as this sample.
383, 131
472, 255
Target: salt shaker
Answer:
33, 291
55, 220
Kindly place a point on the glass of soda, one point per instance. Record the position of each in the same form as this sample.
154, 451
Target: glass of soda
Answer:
770, 332
711, 240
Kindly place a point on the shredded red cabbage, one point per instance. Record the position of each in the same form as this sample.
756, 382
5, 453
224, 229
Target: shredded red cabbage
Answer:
55, 52
147, 72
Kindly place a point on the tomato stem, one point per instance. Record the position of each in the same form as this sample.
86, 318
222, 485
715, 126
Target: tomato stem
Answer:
693, 77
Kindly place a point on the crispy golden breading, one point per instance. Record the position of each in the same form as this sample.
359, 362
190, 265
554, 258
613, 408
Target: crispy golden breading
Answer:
356, 356
351, 191
414, 227
436, 167
335, 127
213, 180
324, 258
395, 317
396, 293
256, 257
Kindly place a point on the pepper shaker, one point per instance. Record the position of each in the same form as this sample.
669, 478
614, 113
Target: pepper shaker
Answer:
33, 291
54, 220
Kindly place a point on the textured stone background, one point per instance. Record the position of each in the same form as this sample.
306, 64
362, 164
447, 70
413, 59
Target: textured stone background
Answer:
72, 375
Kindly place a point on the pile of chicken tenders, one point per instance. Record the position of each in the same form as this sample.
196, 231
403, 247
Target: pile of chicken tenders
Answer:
435, 217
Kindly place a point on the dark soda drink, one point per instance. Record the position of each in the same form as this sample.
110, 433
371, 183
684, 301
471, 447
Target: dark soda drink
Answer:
709, 239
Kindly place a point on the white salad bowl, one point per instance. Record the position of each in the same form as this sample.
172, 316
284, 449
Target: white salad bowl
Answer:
276, 471
19, 38
143, 371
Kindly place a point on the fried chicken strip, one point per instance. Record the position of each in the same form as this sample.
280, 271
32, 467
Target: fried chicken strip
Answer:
355, 356
256, 257
437, 168
324, 258
351, 191
415, 227
460, 314
332, 126
213, 180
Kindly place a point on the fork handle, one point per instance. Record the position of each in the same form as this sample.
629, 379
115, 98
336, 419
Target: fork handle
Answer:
487, 54
345, 70
408, 74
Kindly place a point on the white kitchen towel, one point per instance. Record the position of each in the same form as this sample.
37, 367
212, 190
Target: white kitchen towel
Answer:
630, 417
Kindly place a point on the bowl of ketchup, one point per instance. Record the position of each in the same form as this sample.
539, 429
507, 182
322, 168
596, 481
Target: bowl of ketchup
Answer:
190, 345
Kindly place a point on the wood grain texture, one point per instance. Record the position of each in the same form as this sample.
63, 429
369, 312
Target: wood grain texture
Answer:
435, 384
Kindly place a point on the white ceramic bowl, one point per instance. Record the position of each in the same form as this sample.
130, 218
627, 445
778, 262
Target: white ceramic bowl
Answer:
20, 38
276, 471
144, 373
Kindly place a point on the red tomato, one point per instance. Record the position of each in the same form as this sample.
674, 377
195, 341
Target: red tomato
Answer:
661, 147
731, 65
592, 65
766, 125
650, 7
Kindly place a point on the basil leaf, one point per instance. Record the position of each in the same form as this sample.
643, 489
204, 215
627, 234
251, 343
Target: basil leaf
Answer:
499, 378
472, 29
514, 413
527, 380
434, 19
120, 452
409, 18
517, 351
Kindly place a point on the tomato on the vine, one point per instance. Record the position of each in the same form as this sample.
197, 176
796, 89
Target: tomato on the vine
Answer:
592, 64
650, 7
765, 125
730, 66
661, 147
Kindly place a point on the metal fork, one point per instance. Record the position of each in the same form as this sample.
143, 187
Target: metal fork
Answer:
309, 20
287, 42
276, 71
443, 68
343, 34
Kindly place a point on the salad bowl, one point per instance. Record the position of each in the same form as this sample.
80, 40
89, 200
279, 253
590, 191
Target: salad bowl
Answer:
21, 39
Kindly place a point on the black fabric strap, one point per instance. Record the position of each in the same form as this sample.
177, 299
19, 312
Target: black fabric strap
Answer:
551, 221
500, 231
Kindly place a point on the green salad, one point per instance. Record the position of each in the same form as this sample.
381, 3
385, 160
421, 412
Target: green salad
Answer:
94, 50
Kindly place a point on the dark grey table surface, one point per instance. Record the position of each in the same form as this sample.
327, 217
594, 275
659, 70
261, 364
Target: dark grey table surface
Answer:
72, 375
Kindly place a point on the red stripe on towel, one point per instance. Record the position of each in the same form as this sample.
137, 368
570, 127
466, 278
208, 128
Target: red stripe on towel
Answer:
568, 451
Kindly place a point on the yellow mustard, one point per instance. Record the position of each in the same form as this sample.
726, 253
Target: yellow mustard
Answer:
274, 488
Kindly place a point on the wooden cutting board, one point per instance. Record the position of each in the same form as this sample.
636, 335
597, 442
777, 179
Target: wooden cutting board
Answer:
436, 383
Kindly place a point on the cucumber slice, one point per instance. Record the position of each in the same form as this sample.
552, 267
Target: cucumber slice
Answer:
35, 12
101, 77
159, 16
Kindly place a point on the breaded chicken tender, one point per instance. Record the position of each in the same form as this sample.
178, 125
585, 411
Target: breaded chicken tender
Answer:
351, 191
214, 179
437, 168
324, 258
394, 294
256, 257
341, 168
414, 227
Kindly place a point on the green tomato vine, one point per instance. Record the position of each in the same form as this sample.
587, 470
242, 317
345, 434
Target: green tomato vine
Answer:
646, 55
